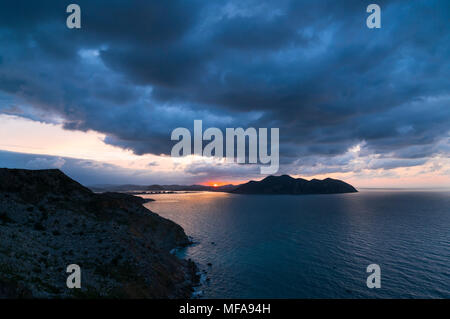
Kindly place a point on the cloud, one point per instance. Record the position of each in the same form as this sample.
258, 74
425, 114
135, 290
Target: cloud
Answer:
152, 164
45, 163
89, 172
138, 69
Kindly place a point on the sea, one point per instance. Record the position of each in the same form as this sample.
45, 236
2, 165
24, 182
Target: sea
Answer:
315, 246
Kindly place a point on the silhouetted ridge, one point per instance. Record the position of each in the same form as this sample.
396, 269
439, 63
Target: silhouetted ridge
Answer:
286, 184
18, 180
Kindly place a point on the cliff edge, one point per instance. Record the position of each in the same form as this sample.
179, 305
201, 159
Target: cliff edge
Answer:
48, 221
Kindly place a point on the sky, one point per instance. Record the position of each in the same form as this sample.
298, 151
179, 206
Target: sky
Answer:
369, 106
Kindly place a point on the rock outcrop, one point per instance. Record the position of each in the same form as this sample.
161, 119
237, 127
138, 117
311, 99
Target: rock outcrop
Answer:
48, 221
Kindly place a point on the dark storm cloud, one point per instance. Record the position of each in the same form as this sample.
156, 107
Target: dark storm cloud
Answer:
138, 69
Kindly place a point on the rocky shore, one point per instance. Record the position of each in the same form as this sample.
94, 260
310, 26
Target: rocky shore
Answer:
48, 221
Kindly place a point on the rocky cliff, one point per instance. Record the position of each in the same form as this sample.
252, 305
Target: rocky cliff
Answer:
48, 221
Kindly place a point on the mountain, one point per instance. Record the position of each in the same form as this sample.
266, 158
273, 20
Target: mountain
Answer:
140, 189
286, 184
199, 188
49, 221
283, 184
101, 188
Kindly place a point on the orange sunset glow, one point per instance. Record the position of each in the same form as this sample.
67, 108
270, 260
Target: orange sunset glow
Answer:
216, 183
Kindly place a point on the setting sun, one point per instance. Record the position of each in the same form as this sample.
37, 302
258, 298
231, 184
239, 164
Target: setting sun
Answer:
218, 183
